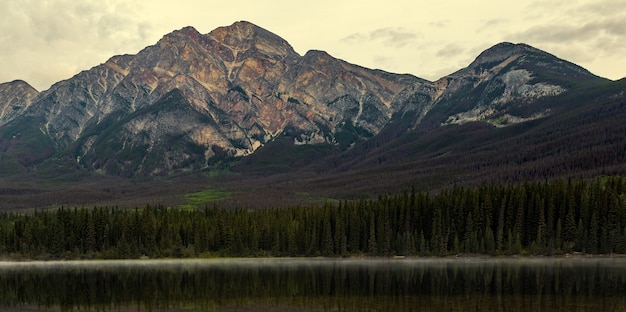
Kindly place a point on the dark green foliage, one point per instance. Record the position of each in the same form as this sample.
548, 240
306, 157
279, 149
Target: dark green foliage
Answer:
280, 156
521, 219
349, 134
24, 144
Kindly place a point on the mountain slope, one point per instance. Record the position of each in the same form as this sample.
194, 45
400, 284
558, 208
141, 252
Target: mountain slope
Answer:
242, 93
21, 142
508, 83
152, 140
249, 83
15, 97
583, 142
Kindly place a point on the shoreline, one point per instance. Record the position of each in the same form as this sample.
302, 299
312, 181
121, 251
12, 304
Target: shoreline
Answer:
399, 259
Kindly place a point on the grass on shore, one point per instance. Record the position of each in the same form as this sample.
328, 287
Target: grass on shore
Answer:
202, 198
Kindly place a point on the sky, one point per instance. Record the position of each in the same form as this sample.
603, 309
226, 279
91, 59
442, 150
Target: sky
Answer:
45, 41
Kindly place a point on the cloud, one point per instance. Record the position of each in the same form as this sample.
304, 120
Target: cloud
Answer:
383, 61
451, 50
602, 8
495, 23
395, 37
583, 31
44, 39
574, 32
439, 23
584, 42
589, 33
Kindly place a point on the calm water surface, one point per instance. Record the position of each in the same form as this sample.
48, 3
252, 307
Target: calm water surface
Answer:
465, 284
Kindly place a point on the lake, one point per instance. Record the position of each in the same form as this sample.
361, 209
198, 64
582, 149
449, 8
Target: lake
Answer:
432, 284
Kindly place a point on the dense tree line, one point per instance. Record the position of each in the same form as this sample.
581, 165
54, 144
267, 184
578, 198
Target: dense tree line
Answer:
532, 218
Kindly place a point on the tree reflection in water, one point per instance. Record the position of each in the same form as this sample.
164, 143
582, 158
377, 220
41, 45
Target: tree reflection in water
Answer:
525, 284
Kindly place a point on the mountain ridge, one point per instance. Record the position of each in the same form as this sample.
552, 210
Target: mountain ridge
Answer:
15, 97
246, 57
242, 87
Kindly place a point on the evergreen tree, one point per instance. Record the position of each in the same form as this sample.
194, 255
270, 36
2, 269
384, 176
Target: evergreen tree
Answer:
531, 218
372, 245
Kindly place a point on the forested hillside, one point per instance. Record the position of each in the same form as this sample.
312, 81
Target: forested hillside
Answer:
545, 218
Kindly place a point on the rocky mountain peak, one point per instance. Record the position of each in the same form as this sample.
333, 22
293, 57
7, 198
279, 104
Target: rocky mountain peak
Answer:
15, 97
18, 83
320, 58
242, 36
506, 80
494, 58
501, 52
188, 30
183, 34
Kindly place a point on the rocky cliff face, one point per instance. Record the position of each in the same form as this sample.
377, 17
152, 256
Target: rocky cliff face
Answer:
503, 82
192, 97
241, 86
15, 98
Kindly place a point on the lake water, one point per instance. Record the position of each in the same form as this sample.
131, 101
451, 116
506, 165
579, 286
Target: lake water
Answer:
447, 284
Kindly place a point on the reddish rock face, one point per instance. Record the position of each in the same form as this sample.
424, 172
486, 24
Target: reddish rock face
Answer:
243, 85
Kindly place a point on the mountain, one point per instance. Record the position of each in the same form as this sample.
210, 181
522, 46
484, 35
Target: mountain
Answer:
508, 83
515, 114
15, 97
582, 137
239, 97
16, 144
242, 86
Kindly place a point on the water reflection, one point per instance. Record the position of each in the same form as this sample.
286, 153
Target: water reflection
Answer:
560, 284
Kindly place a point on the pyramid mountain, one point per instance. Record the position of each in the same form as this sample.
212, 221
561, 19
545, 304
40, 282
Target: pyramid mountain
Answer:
244, 85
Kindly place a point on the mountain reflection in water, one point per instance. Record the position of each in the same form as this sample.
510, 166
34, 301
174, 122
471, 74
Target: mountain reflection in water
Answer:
509, 284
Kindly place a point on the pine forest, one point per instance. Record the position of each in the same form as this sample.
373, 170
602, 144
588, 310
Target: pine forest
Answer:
540, 218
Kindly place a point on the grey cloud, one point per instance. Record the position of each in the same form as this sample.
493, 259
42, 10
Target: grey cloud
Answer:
66, 20
592, 34
615, 26
382, 61
584, 21
450, 50
75, 35
573, 32
353, 38
396, 37
603, 8
393, 36
493, 24
109, 25
439, 24
143, 30
553, 33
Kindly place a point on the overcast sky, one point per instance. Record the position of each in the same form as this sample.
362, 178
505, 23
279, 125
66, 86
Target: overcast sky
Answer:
44, 41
